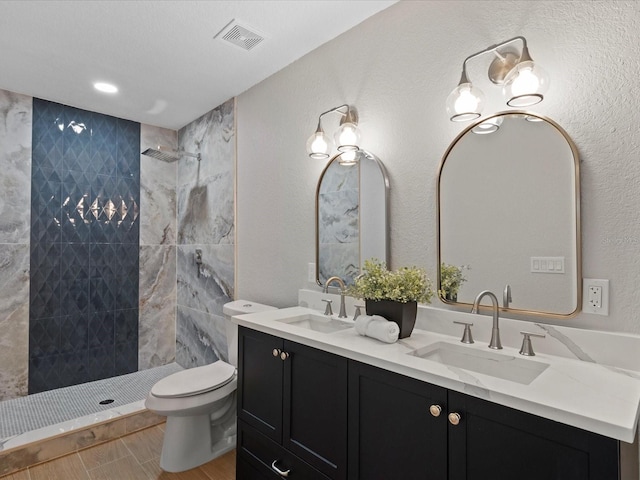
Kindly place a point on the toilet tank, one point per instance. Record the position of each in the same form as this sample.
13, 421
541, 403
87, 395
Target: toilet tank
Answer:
238, 307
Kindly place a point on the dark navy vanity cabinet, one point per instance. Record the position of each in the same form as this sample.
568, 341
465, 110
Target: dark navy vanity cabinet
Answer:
400, 427
314, 415
292, 409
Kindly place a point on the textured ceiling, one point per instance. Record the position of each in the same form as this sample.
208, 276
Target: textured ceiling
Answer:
161, 54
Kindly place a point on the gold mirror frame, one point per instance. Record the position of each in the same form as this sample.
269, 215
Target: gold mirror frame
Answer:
576, 187
382, 217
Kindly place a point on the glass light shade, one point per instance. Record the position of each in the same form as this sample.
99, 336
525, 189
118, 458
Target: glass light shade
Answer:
465, 103
348, 137
488, 126
349, 158
525, 84
319, 145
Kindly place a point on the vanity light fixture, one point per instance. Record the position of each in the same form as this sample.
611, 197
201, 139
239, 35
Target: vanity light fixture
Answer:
523, 82
490, 125
347, 137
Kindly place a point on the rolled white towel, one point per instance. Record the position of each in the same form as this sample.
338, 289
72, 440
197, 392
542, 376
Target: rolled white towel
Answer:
377, 327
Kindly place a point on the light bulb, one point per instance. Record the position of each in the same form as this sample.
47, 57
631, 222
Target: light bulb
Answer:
525, 84
465, 103
319, 145
348, 137
348, 158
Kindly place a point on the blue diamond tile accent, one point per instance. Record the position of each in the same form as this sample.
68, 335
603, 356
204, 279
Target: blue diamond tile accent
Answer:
84, 246
76, 209
73, 368
77, 139
128, 152
44, 336
44, 374
102, 294
126, 323
103, 147
74, 334
101, 363
101, 329
126, 358
47, 139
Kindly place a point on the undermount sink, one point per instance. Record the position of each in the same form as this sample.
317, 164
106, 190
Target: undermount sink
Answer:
317, 322
487, 362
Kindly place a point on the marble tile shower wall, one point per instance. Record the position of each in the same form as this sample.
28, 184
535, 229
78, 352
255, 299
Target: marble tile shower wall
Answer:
15, 181
83, 319
157, 328
206, 222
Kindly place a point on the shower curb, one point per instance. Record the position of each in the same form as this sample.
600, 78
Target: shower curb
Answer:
24, 456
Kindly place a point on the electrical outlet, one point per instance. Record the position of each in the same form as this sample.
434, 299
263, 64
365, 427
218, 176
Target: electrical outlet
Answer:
595, 296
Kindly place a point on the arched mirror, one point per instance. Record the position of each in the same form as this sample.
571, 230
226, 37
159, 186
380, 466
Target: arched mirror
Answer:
351, 217
509, 215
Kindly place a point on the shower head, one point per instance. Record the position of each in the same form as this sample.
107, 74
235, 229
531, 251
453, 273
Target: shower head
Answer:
168, 154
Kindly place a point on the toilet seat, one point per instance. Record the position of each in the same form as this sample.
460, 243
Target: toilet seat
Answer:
195, 381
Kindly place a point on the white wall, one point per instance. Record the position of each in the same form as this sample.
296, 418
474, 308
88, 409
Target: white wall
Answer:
397, 68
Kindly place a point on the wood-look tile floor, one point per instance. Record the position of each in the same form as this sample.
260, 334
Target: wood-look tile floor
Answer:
134, 457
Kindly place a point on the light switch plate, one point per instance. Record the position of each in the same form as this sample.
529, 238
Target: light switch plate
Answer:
595, 296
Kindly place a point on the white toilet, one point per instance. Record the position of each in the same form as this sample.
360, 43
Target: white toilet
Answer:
200, 403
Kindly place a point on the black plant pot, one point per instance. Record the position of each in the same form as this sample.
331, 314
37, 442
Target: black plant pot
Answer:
404, 314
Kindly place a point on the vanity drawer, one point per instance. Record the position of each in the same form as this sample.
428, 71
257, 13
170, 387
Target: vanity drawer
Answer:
257, 454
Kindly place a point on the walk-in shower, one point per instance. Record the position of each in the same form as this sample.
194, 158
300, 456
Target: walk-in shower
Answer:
168, 154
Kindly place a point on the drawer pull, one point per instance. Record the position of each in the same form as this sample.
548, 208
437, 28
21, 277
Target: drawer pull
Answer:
454, 418
284, 356
276, 352
435, 410
282, 473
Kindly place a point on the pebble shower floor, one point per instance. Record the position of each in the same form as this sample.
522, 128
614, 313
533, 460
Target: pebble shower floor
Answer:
20, 415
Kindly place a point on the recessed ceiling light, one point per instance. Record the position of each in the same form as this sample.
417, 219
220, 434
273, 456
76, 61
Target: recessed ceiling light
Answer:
105, 87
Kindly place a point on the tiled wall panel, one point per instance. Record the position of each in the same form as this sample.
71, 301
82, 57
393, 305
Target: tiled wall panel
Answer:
15, 182
206, 222
83, 321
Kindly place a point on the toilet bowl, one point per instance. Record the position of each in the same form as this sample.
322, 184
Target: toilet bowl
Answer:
200, 403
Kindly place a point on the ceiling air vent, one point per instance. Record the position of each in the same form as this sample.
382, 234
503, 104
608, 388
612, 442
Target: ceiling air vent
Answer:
239, 36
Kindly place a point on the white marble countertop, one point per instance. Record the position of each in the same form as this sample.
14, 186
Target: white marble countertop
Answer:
599, 398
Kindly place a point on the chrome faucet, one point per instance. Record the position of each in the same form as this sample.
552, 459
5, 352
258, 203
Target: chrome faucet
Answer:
495, 330
343, 291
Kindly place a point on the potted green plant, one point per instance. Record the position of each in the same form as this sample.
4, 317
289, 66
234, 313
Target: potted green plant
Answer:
451, 279
393, 295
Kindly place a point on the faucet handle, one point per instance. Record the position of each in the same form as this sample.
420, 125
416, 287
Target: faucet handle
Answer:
466, 336
328, 310
358, 311
527, 348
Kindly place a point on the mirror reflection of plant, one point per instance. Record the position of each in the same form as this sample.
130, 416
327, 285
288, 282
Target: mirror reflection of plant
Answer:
451, 279
407, 284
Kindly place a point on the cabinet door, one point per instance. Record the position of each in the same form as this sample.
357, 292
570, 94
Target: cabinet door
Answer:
260, 382
392, 433
499, 443
315, 408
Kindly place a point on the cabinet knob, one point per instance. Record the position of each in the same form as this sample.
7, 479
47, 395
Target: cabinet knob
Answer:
282, 473
454, 418
284, 356
276, 352
435, 410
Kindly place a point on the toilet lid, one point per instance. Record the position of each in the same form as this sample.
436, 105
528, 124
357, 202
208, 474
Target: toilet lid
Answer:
194, 381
